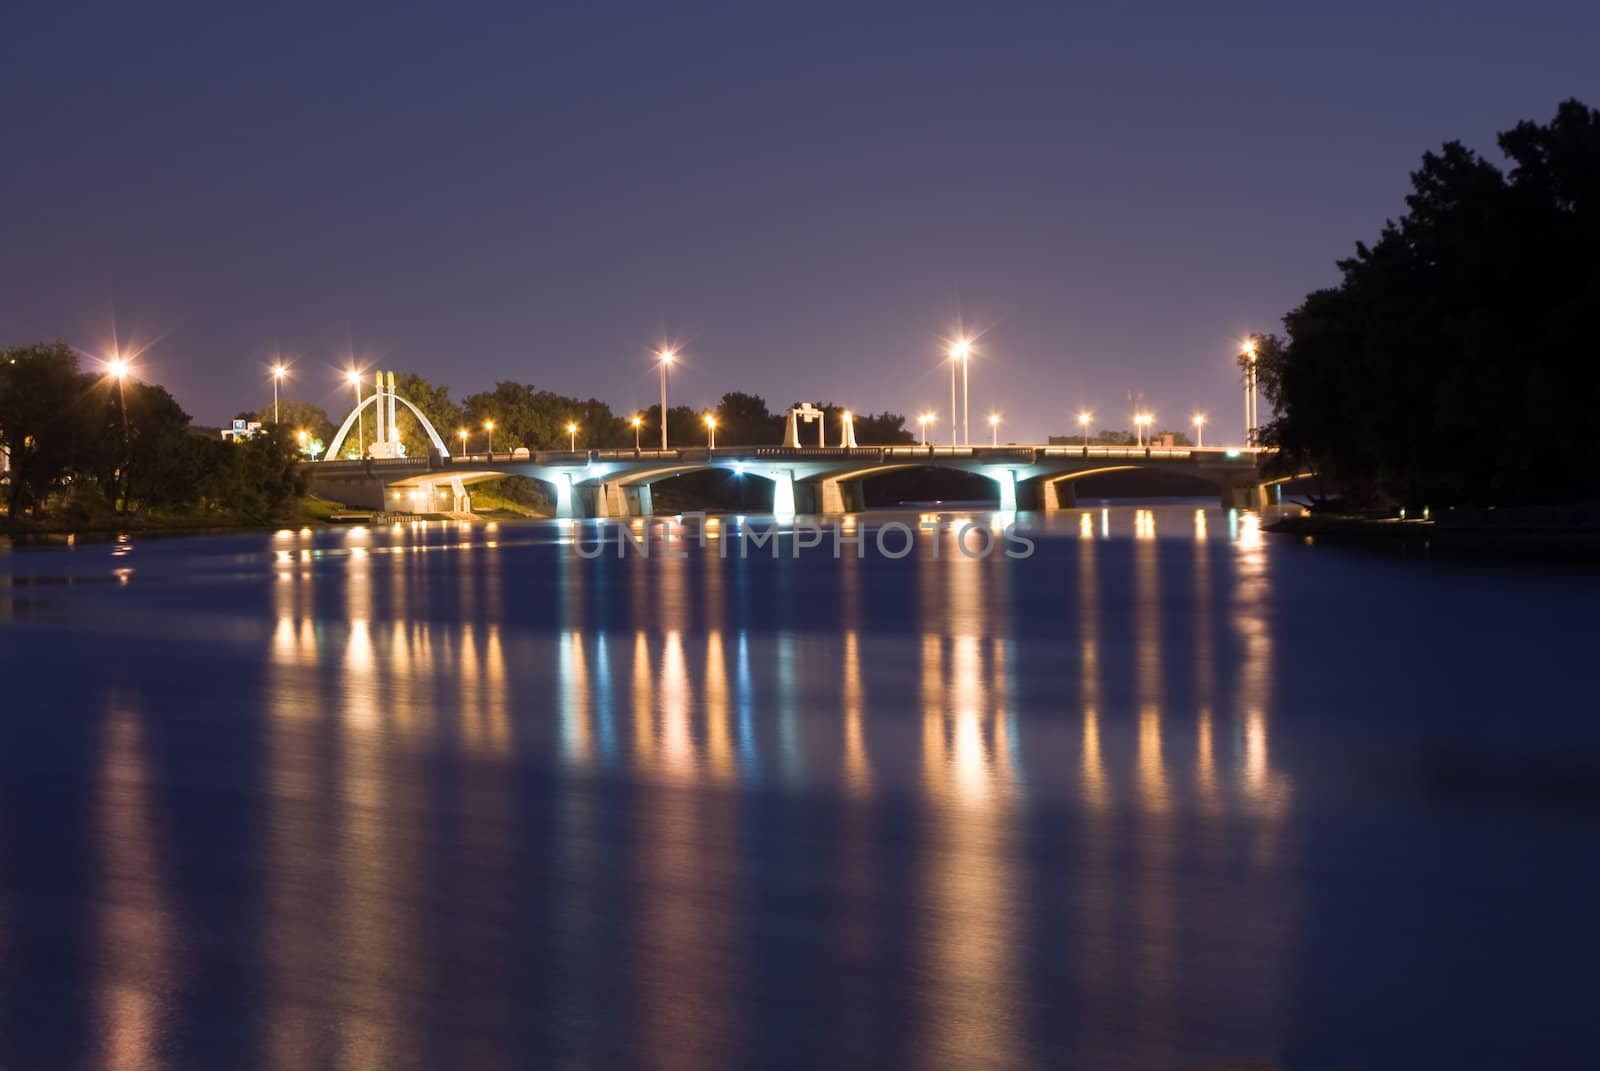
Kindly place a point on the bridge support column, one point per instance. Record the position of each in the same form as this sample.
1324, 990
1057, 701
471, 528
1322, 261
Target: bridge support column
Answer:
835, 496
567, 505
1251, 496
1047, 494
611, 500
1007, 480
783, 494
639, 501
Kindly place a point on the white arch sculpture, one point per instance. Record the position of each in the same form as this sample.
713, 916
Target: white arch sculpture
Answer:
332, 452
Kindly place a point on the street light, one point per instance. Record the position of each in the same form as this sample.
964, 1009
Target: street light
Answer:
572, 437
994, 429
488, 426
958, 355
463, 433
1249, 353
922, 422
711, 431
667, 357
1141, 422
278, 372
1200, 431
118, 369
353, 377
638, 422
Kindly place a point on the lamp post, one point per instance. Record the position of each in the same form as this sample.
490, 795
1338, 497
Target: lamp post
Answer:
960, 352
353, 378
994, 429
488, 427
1084, 416
572, 437
1249, 352
666, 359
1200, 431
711, 432
278, 372
463, 433
922, 422
958, 355
117, 368
1142, 423
638, 422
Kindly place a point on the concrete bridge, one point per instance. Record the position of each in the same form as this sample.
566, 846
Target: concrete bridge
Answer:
806, 480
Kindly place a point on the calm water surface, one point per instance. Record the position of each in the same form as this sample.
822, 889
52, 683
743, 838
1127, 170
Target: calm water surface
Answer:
1166, 794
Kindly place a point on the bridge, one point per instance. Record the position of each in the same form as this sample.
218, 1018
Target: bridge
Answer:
806, 480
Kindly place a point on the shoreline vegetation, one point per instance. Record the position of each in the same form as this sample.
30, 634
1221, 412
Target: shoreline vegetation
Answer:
1567, 532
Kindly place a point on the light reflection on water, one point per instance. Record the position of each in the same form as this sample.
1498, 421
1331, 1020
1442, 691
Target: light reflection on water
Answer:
481, 793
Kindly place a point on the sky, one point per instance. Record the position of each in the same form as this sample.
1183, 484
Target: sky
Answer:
808, 200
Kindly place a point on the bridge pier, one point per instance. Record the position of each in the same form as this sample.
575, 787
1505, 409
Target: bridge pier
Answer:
785, 494
568, 503
638, 502
1007, 480
1251, 496
1047, 494
836, 495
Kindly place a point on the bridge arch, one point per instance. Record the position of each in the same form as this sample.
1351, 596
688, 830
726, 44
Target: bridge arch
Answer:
332, 453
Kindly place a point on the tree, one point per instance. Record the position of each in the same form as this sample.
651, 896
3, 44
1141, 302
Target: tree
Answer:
158, 461
685, 427
1471, 314
47, 420
872, 429
434, 401
258, 478
744, 420
300, 416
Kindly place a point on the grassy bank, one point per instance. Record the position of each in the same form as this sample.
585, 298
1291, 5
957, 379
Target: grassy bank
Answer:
308, 511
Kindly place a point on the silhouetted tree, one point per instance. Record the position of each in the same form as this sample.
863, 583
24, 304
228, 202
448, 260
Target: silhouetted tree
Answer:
48, 416
1455, 360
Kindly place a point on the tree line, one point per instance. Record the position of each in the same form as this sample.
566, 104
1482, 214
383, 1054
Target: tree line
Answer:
527, 416
90, 446
1455, 362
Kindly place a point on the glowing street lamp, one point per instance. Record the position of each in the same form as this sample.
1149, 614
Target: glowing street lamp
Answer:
1142, 423
994, 429
119, 368
711, 431
958, 355
462, 432
667, 357
922, 422
572, 436
352, 376
488, 426
278, 372
638, 422
1200, 430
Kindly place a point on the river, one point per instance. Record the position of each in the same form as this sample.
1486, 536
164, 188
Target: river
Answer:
1166, 793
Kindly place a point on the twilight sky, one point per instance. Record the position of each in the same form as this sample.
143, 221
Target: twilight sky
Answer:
807, 198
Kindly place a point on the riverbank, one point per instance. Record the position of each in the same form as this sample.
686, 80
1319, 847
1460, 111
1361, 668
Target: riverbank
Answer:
1545, 532
310, 511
